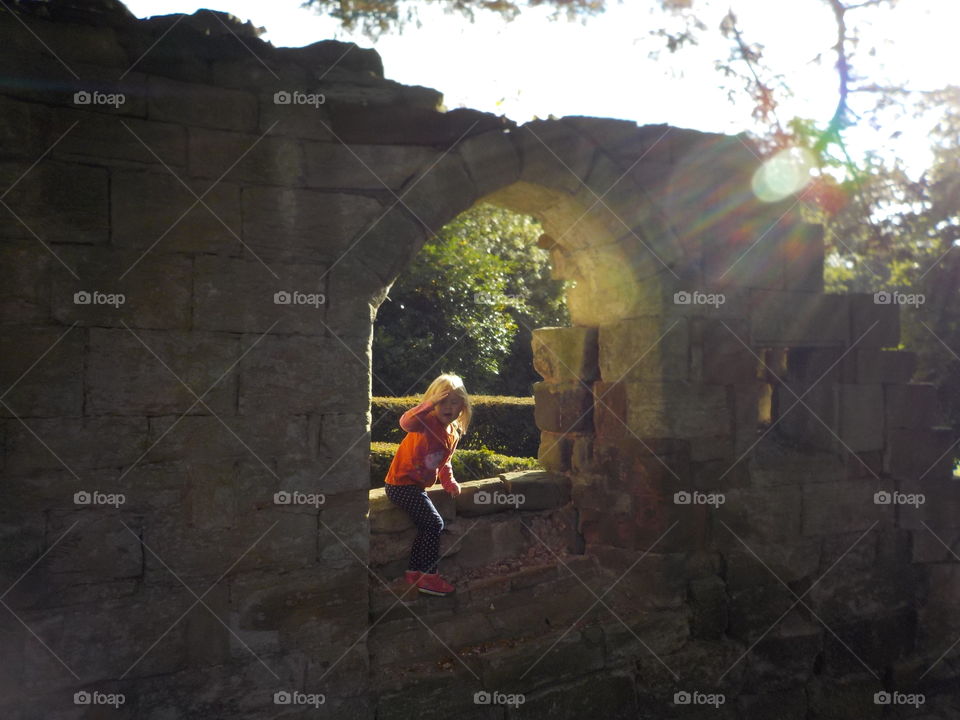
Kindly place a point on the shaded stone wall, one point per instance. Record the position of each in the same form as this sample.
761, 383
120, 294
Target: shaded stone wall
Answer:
190, 281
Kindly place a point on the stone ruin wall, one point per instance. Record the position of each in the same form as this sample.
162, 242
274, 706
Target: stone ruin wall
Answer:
199, 397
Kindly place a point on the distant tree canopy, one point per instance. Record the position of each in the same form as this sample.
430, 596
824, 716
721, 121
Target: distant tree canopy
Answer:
467, 303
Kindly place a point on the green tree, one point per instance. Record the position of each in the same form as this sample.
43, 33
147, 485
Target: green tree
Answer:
467, 303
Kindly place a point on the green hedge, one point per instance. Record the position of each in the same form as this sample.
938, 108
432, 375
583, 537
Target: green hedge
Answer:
500, 424
467, 464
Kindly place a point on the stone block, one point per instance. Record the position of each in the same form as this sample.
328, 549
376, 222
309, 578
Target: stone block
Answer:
565, 354
234, 295
260, 438
744, 400
77, 444
912, 406
131, 143
150, 372
396, 124
571, 656
662, 633
938, 511
290, 543
554, 452
748, 254
727, 356
614, 203
244, 157
755, 609
711, 447
56, 202
481, 497
386, 247
795, 318
874, 323
718, 475
930, 547
661, 410
758, 515
786, 705
787, 656
76, 633
201, 105
773, 464
440, 193
303, 120
861, 416
154, 212
940, 612
44, 377
913, 454
879, 642
873, 365
708, 598
605, 132
808, 417
491, 160
25, 296
645, 349
553, 155
540, 490
95, 547
301, 374
297, 224
563, 407
333, 166
770, 563
803, 255
112, 287
849, 505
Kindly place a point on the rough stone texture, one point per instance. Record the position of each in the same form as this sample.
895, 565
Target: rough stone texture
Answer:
565, 354
590, 587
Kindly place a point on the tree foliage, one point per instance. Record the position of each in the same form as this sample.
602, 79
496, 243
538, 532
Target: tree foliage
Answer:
467, 303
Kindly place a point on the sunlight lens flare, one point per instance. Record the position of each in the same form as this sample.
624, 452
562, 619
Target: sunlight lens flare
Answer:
783, 174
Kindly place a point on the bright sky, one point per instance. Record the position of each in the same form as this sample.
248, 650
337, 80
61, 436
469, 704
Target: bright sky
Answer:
532, 66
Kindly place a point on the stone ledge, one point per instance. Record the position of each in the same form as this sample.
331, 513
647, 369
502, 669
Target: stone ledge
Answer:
524, 490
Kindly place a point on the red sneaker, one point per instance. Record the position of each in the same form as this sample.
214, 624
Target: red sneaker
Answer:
434, 585
411, 576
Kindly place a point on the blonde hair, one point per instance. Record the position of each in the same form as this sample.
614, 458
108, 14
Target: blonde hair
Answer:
450, 383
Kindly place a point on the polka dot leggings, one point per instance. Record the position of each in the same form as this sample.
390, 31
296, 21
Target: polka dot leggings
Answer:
426, 546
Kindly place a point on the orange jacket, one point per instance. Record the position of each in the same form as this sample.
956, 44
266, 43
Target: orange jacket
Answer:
424, 454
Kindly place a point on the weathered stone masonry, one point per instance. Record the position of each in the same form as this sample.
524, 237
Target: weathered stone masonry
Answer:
199, 398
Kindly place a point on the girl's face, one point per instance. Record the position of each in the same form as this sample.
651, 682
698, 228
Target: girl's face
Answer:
448, 409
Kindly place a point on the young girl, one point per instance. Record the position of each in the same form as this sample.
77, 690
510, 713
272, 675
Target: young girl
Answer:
434, 427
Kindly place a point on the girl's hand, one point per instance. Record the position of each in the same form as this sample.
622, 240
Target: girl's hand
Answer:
455, 489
